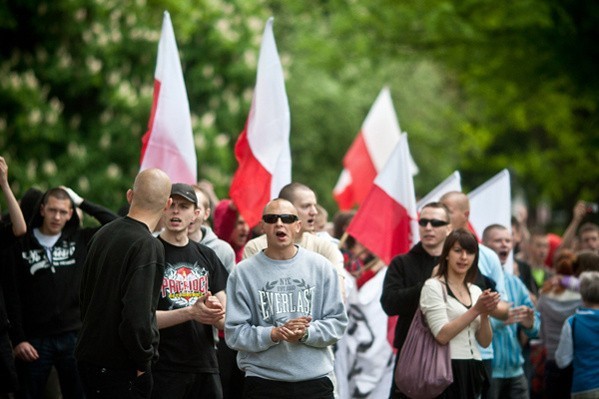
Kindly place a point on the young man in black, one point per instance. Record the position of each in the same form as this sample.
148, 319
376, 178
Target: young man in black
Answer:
121, 282
187, 309
48, 264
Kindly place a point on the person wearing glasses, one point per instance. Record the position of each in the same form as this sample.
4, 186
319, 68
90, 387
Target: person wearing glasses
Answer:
284, 311
407, 273
303, 199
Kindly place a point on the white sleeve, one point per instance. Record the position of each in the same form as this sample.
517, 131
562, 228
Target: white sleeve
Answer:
565, 349
433, 305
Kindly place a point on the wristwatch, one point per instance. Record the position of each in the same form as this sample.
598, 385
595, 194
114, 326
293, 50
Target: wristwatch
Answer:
304, 338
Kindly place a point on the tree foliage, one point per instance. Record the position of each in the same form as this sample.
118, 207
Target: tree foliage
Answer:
478, 85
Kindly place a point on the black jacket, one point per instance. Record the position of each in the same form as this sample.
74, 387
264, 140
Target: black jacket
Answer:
401, 289
49, 291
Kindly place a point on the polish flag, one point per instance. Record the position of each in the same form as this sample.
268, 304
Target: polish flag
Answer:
262, 149
452, 183
168, 143
491, 203
369, 153
386, 222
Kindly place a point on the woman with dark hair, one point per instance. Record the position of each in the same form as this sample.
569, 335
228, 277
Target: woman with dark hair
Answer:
457, 312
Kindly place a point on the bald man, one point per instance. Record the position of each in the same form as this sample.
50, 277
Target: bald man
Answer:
121, 283
284, 311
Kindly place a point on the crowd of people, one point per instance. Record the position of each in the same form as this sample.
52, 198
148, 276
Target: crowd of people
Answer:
176, 296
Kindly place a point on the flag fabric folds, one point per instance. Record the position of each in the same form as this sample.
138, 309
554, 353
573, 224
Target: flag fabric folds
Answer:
451, 183
386, 222
490, 203
369, 153
262, 149
168, 143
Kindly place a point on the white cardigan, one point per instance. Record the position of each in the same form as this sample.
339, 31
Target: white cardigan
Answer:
438, 313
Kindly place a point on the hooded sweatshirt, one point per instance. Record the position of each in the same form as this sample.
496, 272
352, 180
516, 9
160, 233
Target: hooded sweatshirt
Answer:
555, 309
225, 220
49, 289
223, 250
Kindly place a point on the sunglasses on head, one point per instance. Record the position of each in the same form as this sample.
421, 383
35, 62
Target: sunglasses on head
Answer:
286, 218
434, 222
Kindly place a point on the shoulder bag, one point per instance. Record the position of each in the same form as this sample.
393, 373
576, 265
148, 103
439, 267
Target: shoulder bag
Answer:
424, 366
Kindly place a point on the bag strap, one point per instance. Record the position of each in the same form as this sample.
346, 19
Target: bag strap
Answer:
444, 289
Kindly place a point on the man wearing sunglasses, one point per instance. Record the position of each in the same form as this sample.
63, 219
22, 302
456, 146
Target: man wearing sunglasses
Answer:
304, 200
284, 311
407, 273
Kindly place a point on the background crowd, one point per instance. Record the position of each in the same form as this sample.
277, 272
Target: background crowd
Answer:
519, 329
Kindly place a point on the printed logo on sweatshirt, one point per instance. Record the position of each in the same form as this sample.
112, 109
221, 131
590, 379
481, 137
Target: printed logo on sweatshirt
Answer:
184, 284
62, 255
285, 298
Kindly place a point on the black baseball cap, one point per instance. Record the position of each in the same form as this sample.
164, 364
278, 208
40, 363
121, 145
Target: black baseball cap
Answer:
185, 191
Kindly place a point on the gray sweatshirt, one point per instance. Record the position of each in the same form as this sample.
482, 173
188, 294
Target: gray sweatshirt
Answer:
263, 293
554, 310
222, 248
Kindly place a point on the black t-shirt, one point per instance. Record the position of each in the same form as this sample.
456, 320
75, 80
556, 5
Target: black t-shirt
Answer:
190, 272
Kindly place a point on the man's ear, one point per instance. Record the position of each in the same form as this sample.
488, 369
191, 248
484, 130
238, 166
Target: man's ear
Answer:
129, 196
168, 203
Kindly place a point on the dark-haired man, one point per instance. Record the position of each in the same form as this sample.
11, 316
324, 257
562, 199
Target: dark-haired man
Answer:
48, 267
192, 301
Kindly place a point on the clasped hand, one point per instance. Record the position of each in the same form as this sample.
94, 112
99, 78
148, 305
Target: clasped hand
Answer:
207, 310
292, 331
521, 314
487, 302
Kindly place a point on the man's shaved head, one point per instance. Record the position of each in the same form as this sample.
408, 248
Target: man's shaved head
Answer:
151, 190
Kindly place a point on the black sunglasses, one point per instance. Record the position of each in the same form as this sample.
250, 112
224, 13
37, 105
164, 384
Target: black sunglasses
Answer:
286, 218
434, 222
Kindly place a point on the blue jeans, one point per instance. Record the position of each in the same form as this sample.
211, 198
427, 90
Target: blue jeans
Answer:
58, 351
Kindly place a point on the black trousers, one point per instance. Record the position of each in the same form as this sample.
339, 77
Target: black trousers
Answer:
102, 383
260, 388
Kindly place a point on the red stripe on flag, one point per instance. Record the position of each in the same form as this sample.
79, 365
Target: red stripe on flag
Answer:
248, 186
382, 225
146, 137
357, 161
345, 198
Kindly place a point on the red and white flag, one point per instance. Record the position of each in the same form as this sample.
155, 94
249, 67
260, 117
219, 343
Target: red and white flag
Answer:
262, 149
168, 144
452, 183
369, 153
491, 203
386, 222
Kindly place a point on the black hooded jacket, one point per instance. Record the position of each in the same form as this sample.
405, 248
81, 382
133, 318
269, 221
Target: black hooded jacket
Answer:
401, 289
48, 292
